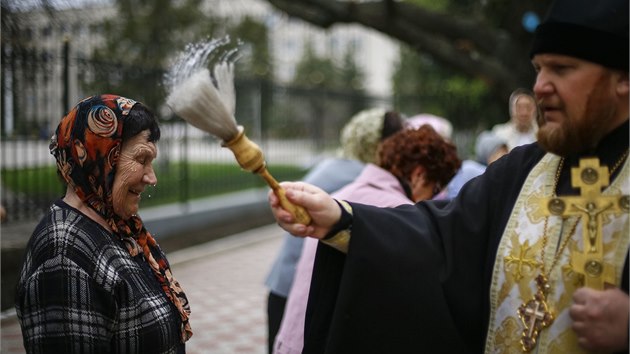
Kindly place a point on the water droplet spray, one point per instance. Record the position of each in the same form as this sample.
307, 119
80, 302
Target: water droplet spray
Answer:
207, 101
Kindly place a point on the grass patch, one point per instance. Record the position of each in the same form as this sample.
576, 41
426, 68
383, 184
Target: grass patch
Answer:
177, 182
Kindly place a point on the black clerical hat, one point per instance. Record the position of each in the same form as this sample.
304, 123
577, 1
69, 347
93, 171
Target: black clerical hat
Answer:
593, 30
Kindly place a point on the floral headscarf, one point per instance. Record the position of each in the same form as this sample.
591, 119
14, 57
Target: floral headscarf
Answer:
87, 146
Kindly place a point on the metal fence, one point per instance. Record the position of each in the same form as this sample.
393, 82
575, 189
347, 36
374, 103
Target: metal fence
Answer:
293, 126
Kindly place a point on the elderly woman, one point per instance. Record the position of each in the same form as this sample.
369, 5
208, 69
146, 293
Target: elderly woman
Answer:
412, 165
94, 280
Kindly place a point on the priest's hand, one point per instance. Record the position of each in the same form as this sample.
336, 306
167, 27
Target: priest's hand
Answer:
323, 209
600, 319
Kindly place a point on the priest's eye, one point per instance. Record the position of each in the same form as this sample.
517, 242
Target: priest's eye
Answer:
560, 68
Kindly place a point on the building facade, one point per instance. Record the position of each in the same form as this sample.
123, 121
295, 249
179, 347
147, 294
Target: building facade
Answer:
79, 31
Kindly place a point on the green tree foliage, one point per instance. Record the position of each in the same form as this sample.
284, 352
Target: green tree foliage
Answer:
140, 41
352, 77
435, 5
484, 40
254, 74
422, 85
314, 71
319, 76
256, 61
351, 74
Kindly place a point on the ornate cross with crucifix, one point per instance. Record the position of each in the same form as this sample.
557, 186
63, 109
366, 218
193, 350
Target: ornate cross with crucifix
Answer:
590, 177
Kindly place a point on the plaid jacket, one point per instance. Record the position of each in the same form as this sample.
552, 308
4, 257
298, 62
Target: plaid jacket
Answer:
81, 292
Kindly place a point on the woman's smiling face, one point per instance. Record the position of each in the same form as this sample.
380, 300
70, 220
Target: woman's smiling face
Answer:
134, 172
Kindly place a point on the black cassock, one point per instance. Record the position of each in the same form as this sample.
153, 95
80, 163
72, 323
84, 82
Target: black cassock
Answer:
417, 278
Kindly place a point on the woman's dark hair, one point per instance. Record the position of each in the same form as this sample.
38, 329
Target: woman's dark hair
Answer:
392, 123
141, 118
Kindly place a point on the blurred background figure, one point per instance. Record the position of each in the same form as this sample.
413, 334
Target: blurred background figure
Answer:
489, 147
359, 140
441, 125
412, 166
3, 210
522, 127
469, 168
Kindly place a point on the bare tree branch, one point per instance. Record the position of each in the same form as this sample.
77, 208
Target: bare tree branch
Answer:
466, 43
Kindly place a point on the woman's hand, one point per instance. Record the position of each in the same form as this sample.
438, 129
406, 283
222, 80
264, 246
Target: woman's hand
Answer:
323, 209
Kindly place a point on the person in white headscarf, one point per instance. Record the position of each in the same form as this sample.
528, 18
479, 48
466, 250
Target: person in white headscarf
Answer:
522, 127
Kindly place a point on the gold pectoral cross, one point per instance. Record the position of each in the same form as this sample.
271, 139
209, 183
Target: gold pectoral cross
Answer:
590, 177
535, 315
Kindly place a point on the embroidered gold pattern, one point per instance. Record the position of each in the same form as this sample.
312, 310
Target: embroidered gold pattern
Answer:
528, 220
505, 341
521, 263
590, 177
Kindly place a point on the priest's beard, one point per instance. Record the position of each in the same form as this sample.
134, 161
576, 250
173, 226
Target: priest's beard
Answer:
582, 134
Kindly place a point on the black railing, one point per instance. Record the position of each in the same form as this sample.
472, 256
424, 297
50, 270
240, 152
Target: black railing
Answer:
293, 126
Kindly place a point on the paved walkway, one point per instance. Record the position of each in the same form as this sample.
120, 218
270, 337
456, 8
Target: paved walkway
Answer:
224, 281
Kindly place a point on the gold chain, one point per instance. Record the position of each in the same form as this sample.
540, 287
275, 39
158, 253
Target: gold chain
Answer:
545, 237
619, 162
570, 235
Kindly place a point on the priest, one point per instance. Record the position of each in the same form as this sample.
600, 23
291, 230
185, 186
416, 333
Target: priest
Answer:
532, 256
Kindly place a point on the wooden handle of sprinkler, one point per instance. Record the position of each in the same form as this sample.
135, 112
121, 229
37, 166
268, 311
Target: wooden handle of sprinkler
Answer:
250, 157
300, 214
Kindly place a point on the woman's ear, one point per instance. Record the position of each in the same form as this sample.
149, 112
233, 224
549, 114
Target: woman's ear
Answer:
421, 189
416, 174
623, 85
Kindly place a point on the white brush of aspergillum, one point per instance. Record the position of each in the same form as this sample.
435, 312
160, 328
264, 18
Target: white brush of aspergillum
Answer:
208, 101
205, 101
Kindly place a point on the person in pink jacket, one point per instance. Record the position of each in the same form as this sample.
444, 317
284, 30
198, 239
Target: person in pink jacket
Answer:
412, 165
